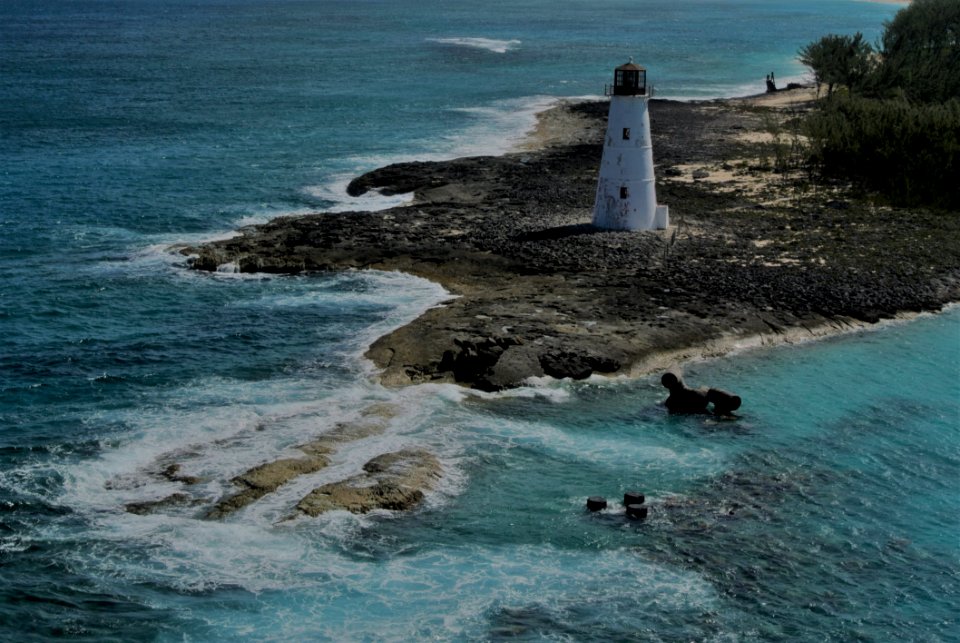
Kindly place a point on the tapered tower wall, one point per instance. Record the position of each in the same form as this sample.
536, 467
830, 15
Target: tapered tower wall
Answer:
626, 189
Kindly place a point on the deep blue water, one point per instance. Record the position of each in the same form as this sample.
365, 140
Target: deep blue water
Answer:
828, 512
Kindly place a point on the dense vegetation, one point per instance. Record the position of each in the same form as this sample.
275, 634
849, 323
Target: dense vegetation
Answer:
890, 119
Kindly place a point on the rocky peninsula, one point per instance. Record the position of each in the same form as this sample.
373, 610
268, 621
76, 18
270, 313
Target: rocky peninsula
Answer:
759, 250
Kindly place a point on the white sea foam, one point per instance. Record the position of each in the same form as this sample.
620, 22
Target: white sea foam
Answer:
409, 298
216, 428
540, 387
487, 44
309, 589
464, 587
224, 428
335, 192
501, 126
258, 216
147, 253
497, 128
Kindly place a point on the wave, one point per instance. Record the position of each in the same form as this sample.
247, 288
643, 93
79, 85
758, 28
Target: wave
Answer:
216, 427
334, 193
495, 129
487, 44
500, 127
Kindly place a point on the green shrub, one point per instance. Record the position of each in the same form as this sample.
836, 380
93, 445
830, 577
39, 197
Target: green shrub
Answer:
920, 54
908, 152
897, 130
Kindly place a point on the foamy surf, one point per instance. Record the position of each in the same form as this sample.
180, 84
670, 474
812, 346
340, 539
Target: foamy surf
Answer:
334, 193
497, 128
224, 429
310, 586
216, 428
486, 44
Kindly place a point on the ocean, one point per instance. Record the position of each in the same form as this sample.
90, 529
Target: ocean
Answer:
829, 511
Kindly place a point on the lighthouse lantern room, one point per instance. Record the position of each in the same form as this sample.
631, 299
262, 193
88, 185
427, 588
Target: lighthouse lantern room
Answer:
626, 191
630, 80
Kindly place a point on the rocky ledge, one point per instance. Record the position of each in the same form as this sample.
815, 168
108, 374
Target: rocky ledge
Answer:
394, 481
756, 251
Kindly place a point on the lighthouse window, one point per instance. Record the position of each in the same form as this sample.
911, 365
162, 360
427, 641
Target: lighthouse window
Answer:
624, 192
626, 133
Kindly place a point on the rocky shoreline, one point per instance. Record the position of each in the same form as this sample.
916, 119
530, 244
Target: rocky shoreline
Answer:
756, 253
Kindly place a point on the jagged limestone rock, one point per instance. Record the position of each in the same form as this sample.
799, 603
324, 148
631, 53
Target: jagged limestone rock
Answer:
394, 481
269, 476
263, 479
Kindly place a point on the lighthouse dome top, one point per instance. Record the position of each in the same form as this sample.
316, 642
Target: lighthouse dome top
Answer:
631, 66
629, 79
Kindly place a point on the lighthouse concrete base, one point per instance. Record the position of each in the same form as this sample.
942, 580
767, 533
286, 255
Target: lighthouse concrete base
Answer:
662, 219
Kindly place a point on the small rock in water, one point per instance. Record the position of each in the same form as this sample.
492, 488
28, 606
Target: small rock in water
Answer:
724, 403
636, 512
683, 399
596, 503
633, 498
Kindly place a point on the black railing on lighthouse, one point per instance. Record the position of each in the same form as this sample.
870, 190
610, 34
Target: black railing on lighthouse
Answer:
610, 90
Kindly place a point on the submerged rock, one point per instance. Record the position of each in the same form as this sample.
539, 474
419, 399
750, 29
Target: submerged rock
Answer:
373, 423
172, 473
151, 506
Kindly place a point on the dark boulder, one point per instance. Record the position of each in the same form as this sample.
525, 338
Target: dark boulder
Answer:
724, 403
683, 399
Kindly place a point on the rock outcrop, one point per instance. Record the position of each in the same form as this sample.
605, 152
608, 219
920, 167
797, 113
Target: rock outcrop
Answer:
395, 481
263, 479
266, 478
539, 291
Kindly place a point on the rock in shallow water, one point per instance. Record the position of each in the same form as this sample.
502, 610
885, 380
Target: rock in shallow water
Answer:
683, 399
263, 479
152, 506
596, 503
394, 481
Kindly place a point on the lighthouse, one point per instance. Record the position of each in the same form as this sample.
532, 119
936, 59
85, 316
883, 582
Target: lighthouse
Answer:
626, 190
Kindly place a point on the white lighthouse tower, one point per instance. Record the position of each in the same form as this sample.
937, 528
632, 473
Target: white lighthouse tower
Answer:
626, 190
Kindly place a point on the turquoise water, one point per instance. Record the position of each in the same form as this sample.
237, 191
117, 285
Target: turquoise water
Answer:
828, 512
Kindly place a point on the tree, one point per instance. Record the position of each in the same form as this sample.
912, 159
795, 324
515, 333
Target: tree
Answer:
838, 60
921, 52
897, 132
